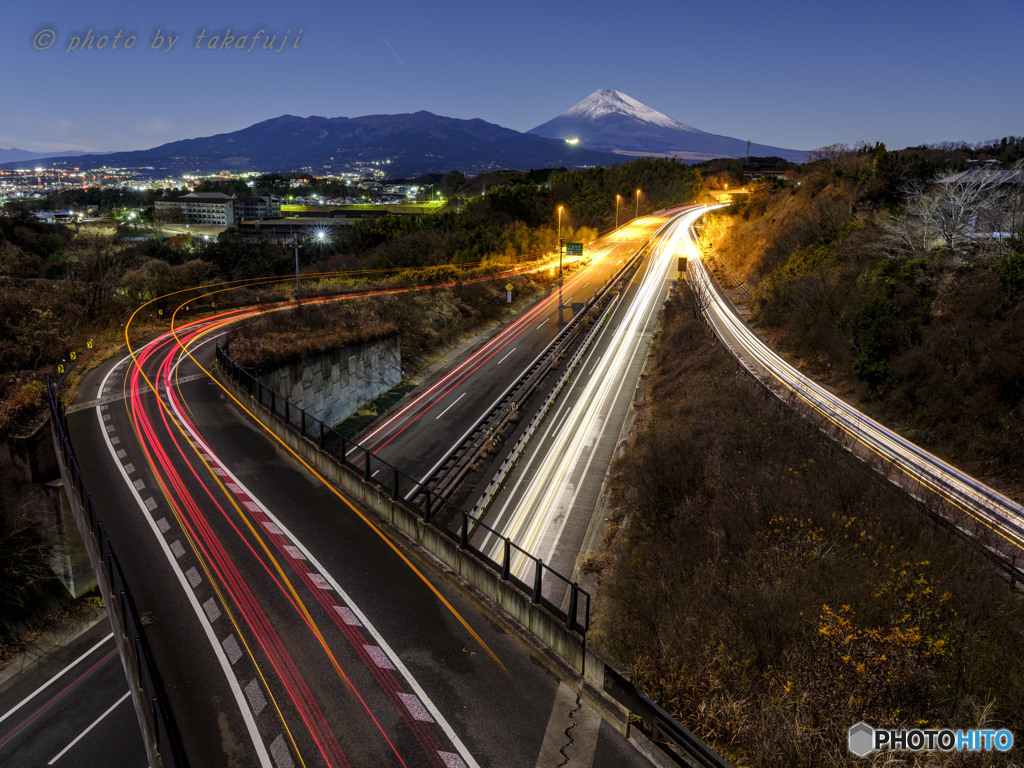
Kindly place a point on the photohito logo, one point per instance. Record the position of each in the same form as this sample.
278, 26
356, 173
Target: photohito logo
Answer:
864, 739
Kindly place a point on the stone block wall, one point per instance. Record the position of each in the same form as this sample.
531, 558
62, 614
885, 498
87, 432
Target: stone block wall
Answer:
334, 385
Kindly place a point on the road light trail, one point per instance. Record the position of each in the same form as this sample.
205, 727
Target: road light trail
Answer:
543, 505
999, 515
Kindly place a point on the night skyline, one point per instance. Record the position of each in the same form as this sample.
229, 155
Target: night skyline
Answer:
801, 76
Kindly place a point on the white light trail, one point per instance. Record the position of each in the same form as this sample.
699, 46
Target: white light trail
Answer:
543, 507
999, 514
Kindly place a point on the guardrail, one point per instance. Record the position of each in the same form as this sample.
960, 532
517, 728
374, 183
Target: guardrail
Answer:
663, 726
456, 464
544, 586
161, 737
886, 448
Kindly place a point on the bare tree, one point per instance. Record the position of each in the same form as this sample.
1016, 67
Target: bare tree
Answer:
952, 212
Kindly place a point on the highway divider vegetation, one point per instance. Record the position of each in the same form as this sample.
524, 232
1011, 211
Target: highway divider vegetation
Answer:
428, 321
771, 590
901, 284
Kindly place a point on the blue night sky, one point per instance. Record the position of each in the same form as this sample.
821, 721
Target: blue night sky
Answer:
797, 74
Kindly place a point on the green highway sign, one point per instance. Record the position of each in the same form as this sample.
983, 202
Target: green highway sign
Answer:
574, 249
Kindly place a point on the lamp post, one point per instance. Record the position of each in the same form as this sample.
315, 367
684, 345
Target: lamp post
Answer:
298, 296
560, 263
618, 199
637, 214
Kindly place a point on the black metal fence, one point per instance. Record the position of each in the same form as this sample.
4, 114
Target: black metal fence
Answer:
545, 586
139, 663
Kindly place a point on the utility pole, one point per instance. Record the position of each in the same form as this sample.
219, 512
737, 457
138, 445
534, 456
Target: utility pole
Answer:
293, 240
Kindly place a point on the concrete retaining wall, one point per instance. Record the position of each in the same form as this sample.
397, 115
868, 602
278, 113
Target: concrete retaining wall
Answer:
334, 385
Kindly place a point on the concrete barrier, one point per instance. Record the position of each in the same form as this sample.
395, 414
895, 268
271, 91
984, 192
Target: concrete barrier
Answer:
564, 652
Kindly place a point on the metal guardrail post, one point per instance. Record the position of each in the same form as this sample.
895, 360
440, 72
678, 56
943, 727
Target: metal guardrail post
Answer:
570, 615
538, 577
464, 531
506, 565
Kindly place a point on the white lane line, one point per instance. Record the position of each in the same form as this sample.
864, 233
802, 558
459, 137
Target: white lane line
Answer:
506, 356
94, 724
254, 693
378, 657
415, 706
466, 760
318, 581
177, 548
596, 363
282, 755
542, 322
250, 723
212, 610
442, 413
347, 616
232, 649
451, 760
53, 679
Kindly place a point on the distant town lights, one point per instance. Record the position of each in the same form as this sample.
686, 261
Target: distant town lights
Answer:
572, 141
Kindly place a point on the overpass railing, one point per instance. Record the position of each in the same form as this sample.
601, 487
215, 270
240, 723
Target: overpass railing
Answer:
544, 585
162, 740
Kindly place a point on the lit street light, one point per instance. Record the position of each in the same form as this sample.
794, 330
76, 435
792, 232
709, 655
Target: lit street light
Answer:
560, 262
618, 199
637, 214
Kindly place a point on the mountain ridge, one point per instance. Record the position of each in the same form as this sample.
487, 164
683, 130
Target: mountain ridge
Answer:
612, 121
406, 144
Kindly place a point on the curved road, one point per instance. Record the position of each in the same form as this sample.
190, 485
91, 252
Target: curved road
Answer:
288, 628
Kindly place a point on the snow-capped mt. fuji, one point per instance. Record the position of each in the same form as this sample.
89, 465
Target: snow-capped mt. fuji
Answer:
604, 103
611, 120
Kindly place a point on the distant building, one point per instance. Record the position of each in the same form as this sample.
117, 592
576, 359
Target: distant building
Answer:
215, 208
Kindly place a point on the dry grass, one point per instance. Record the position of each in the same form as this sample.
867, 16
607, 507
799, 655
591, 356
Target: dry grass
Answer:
772, 591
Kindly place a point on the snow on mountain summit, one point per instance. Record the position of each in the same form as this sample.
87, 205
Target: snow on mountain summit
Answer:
606, 102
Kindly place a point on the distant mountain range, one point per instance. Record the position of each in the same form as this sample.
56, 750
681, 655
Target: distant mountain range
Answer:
16, 155
607, 126
612, 121
416, 143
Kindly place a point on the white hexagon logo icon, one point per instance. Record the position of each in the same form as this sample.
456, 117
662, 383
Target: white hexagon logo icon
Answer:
862, 739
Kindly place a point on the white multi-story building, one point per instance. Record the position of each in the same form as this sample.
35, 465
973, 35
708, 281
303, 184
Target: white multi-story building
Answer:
215, 208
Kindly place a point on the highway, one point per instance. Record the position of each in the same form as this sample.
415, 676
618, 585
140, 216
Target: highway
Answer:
983, 514
289, 629
68, 704
547, 502
429, 423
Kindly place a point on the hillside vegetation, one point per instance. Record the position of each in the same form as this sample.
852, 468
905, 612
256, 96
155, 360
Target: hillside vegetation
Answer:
904, 292
772, 591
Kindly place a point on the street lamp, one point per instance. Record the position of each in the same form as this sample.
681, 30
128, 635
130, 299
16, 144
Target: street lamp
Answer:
298, 296
560, 262
637, 214
618, 199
